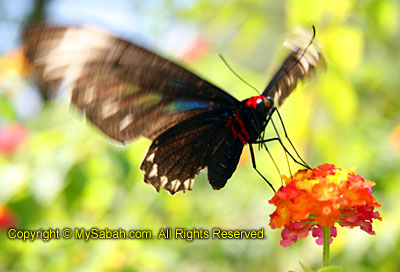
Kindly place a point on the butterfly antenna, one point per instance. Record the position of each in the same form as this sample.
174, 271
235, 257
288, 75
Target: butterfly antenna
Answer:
304, 51
280, 76
236, 74
308, 46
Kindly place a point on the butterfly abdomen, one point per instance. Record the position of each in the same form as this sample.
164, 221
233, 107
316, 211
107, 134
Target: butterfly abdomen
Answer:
239, 130
224, 161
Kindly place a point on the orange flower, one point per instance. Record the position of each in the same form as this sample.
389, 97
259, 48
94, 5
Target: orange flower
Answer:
14, 63
395, 139
321, 197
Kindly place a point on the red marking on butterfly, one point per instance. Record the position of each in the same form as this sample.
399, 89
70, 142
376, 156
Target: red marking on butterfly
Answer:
243, 135
253, 101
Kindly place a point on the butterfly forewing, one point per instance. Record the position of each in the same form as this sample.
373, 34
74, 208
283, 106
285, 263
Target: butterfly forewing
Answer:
297, 66
124, 89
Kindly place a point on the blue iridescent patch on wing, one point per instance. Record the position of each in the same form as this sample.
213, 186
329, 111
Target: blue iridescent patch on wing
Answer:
186, 105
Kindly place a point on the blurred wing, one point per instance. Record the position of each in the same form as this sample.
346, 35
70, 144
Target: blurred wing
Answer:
295, 67
177, 155
125, 90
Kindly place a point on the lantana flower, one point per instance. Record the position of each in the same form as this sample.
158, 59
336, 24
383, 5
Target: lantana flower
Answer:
323, 197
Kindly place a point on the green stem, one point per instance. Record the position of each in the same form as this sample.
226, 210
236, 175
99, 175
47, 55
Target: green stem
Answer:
327, 240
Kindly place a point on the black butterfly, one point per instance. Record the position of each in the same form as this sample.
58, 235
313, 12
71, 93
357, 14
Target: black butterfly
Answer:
127, 92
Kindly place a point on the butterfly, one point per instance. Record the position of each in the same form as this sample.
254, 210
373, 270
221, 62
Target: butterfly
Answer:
128, 92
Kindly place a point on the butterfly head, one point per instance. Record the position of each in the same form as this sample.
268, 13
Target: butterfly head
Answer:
260, 103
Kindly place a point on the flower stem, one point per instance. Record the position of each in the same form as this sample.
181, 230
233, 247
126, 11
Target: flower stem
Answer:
327, 241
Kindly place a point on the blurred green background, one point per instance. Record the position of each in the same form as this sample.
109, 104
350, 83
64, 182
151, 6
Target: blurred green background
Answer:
57, 170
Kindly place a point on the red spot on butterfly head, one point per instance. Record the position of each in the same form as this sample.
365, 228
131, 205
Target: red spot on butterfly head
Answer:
252, 101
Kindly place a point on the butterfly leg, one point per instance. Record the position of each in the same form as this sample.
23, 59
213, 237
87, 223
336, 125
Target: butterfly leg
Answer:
280, 141
287, 137
274, 109
253, 161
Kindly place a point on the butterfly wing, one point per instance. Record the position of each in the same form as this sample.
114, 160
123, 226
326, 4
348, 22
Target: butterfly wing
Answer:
177, 155
125, 90
297, 65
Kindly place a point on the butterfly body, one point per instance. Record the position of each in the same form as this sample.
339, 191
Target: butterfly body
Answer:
128, 92
233, 128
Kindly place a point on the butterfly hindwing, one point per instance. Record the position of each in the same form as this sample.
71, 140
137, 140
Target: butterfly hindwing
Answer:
224, 161
125, 90
177, 155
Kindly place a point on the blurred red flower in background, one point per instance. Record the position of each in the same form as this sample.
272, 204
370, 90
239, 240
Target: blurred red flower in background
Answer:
199, 47
7, 218
11, 136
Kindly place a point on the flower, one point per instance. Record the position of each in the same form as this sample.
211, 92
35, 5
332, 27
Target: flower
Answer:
322, 197
395, 139
198, 47
14, 63
11, 136
7, 218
